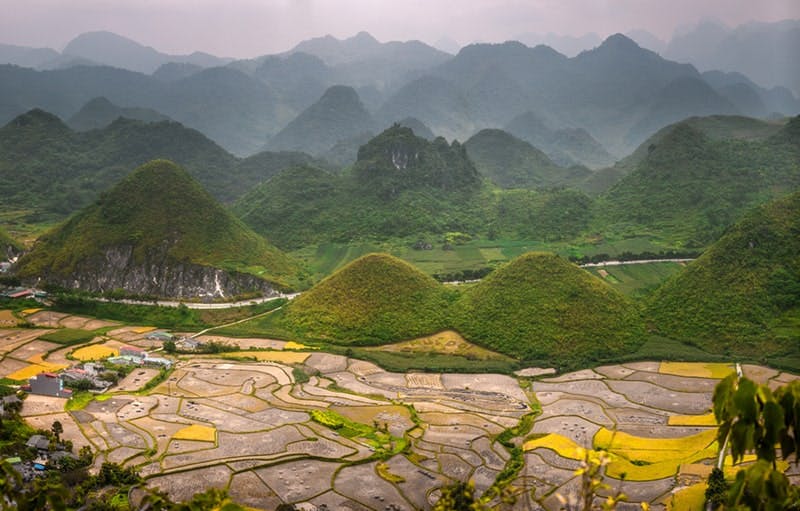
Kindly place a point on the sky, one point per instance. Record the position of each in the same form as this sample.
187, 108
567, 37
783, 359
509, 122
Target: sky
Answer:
248, 28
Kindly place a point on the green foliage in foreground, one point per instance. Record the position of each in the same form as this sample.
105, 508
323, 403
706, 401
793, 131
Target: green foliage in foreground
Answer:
160, 214
738, 294
373, 300
753, 418
541, 307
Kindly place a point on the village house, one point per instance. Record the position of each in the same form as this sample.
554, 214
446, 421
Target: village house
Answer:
132, 351
158, 361
47, 384
160, 336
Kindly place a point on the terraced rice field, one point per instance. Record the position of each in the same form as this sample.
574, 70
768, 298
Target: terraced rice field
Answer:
247, 426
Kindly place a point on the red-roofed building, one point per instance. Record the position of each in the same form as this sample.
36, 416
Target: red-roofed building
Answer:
132, 351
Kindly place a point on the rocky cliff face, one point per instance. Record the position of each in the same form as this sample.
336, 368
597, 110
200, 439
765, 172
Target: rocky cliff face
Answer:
157, 275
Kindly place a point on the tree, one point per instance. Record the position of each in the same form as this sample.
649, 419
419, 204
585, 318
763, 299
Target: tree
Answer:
753, 418
57, 429
169, 347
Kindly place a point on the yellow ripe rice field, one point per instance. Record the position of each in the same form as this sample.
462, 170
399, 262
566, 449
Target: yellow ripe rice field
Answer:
448, 342
34, 369
7, 318
28, 312
94, 352
691, 498
696, 369
693, 420
291, 345
562, 445
270, 356
142, 329
647, 459
196, 432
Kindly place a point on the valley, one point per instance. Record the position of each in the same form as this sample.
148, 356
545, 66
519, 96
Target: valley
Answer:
253, 267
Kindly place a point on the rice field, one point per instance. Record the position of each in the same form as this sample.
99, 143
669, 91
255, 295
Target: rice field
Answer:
32, 370
447, 342
197, 433
693, 420
94, 352
646, 459
285, 357
562, 445
696, 369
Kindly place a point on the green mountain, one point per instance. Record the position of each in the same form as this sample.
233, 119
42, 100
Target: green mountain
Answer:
375, 299
742, 296
565, 146
158, 232
338, 115
100, 112
235, 110
512, 163
401, 185
540, 307
690, 187
50, 171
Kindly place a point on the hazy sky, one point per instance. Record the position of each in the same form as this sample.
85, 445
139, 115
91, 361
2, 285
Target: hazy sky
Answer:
247, 28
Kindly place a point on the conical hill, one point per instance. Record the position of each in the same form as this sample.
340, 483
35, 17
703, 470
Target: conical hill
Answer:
540, 307
373, 300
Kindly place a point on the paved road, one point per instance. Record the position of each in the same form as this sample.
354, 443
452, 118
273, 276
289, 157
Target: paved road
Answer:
253, 301
198, 305
637, 261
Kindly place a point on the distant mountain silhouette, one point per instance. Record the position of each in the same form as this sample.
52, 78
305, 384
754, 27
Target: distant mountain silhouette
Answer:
110, 49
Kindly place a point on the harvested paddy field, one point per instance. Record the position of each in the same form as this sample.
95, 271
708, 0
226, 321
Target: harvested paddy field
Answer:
352, 435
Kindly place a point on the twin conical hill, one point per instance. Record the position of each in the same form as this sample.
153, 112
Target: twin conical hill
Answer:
373, 300
540, 307
743, 294
158, 232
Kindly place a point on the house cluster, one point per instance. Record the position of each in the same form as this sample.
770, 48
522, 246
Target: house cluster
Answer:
182, 343
52, 384
46, 451
90, 372
132, 355
16, 293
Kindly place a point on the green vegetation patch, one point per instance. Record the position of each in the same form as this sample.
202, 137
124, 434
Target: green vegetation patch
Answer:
731, 299
69, 336
379, 440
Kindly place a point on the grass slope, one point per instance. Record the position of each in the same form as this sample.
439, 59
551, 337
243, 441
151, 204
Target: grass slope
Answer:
513, 163
540, 307
373, 300
158, 205
742, 296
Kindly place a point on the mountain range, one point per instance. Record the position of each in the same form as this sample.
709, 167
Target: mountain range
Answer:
50, 171
596, 106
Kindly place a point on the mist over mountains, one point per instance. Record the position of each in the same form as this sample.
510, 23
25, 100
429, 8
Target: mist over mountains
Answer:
593, 107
